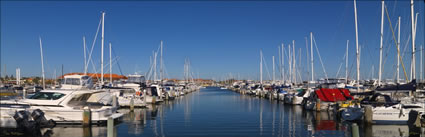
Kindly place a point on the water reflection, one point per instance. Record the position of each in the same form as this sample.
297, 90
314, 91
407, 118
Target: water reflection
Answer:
390, 130
73, 131
135, 120
216, 112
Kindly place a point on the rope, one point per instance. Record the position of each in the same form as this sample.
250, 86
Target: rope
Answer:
118, 63
395, 41
94, 42
320, 58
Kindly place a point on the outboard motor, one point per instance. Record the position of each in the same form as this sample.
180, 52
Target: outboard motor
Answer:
21, 116
39, 118
23, 121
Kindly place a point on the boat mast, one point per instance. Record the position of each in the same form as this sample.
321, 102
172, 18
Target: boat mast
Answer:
261, 67
357, 48
274, 73
18, 77
283, 63
311, 56
289, 63
102, 42
294, 74
380, 47
42, 64
161, 75
307, 58
299, 65
85, 58
110, 63
154, 66
413, 66
280, 61
398, 49
421, 76
346, 64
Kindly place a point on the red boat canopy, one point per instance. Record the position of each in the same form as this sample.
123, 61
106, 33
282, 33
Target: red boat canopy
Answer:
332, 95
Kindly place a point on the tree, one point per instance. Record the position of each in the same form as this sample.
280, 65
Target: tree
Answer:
36, 80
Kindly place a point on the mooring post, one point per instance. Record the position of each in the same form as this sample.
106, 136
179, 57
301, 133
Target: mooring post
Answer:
368, 114
144, 116
144, 96
114, 101
131, 104
153, 99
318, 105
271, 96
110, 127
24, 94
355, 130
423, 131
86, 117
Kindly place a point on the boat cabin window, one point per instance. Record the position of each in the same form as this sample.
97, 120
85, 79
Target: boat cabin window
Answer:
47, 96
136, 79
86, 80
72, 81
82, 97
411, 106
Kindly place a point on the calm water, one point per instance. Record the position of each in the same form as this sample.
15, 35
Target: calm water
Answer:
215, 112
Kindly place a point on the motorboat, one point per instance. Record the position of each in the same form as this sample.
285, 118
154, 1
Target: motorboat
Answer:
386, 110
152, 94
67, 106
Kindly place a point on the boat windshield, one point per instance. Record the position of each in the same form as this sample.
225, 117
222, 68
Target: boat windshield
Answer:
47, 96
82, 100
72, 81
301, 93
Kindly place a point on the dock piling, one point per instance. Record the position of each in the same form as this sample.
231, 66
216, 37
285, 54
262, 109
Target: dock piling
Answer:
355, 130
131, 104
368, 114
114, 101
318, 105
87, 117
24, 93
110, 127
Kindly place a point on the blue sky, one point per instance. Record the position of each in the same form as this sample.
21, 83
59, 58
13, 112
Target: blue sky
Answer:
218, 37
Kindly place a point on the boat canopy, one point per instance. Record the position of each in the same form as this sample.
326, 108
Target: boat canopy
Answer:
375, 100
332, 95
403, 87
281, 90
